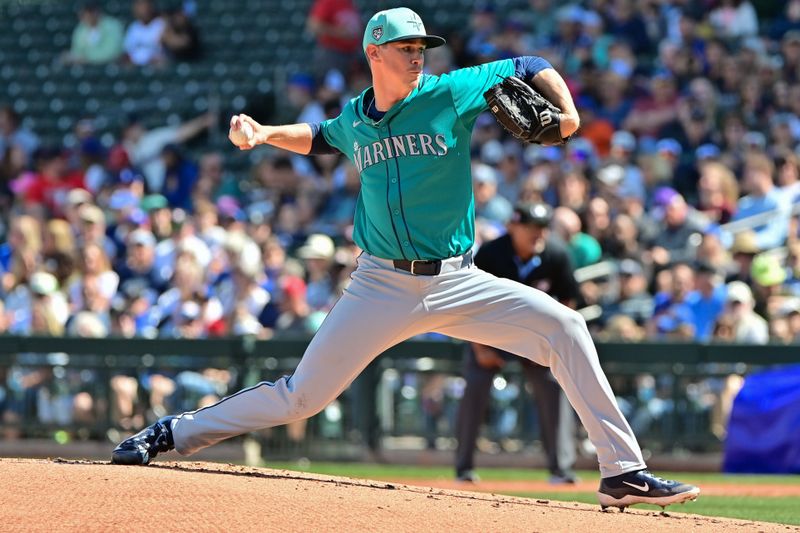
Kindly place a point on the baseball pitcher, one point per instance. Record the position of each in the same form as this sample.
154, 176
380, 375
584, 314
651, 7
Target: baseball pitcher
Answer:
408, 135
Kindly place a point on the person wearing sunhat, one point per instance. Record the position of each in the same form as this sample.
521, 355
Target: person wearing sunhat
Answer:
748, 326
768, 275
92, 228
317, 254
743, 249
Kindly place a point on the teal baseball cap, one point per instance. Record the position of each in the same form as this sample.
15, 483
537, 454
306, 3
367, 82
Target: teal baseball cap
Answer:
397, 24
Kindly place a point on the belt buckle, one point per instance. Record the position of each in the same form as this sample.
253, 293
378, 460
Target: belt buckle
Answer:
438, 268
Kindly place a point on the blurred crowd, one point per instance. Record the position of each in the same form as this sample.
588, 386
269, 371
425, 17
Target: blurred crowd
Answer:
676, 198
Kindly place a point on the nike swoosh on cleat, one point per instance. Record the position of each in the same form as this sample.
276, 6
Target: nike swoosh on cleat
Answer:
643, 488
356, 123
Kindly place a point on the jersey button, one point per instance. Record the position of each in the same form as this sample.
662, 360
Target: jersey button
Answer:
396, 211
394, 180
406, 243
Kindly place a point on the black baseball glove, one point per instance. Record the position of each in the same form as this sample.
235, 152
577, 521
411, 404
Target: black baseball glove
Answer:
524, 113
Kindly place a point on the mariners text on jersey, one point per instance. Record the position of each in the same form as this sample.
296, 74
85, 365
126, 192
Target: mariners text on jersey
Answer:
416, 199
413, 144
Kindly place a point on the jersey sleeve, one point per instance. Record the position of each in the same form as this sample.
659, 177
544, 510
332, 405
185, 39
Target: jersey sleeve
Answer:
467, 86
334, 133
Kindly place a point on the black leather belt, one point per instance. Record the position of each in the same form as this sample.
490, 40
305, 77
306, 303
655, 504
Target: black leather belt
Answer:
428, 267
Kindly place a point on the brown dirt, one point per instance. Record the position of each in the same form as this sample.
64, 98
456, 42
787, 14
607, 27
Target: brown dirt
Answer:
61, 495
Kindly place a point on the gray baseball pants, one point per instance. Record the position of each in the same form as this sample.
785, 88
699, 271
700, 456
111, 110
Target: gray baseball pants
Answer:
383, 306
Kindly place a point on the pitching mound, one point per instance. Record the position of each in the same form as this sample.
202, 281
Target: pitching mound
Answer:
63, 495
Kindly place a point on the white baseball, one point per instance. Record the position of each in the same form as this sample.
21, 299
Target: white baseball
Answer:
243, 135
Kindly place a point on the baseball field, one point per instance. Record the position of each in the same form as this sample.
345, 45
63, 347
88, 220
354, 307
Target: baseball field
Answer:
72, 495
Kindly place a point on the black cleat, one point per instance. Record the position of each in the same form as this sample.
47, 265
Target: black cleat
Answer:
149, 442
643, 487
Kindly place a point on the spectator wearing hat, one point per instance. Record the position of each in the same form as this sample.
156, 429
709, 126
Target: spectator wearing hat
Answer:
300, 89
45, 289
747, 327
317, 254
665, 162
241, 294
764, 198
633, 300
92, 223
488, 204
138, 269
75, 199
677, 224
42, 316
707, 300
156, 206
623, 150
768, 275
743, 249
294, 308
528, 254
97, 38
92, 229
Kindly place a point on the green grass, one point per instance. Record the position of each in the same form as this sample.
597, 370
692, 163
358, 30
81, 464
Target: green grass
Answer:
378, 471
785, 510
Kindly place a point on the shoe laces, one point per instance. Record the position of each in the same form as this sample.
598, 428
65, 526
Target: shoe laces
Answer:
657, 478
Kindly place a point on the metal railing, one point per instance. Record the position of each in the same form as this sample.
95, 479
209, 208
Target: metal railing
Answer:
388, 398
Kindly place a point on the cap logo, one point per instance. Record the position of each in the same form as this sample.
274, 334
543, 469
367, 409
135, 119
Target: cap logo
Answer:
377, 33
417, 24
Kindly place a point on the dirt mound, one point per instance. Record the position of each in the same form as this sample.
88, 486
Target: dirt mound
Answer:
62, 495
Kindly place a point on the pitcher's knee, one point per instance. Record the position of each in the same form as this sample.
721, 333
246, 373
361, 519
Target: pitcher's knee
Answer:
301, 404
572, 322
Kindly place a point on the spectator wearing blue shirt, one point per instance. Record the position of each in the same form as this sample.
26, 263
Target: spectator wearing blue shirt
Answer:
179, 178
673, 317
764, 197
707, 301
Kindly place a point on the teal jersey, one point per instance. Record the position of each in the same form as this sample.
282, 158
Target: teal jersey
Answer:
416, 198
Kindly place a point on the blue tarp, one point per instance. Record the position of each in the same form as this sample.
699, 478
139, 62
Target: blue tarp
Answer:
764, 429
